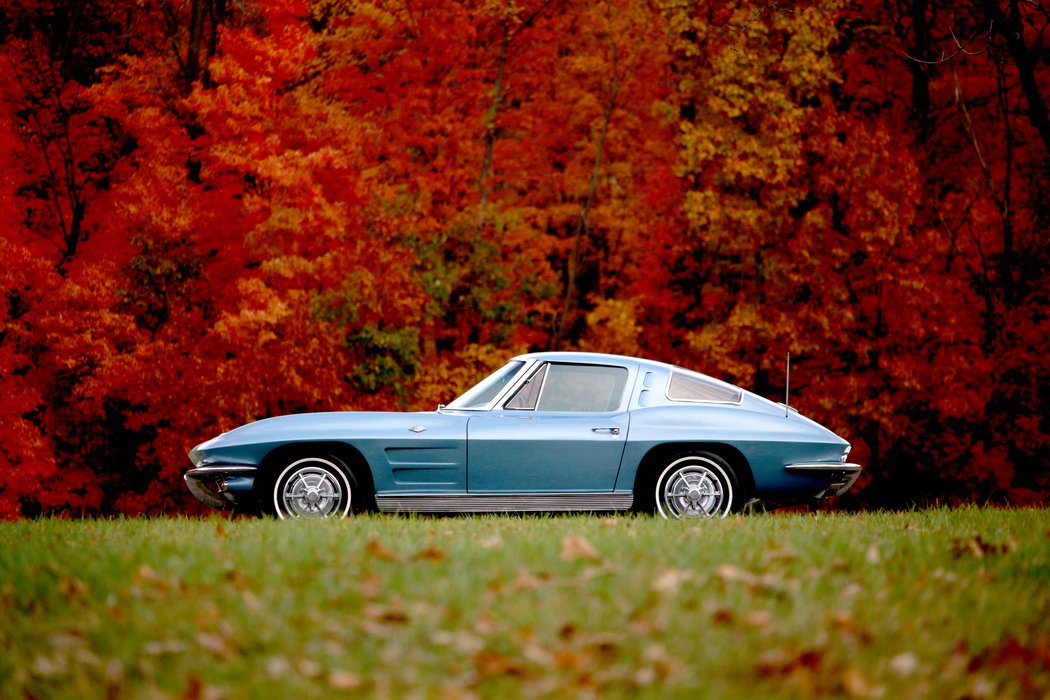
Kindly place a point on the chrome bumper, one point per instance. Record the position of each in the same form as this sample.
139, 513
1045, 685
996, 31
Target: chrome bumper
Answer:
209, 484
841, 476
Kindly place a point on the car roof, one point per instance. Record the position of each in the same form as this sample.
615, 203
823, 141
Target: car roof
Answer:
592, 358
604, 358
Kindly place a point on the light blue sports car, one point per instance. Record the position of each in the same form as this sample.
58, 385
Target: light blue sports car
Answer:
558, 431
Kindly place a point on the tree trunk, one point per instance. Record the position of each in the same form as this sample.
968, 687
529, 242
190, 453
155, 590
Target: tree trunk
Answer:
920, 80
569, 303
490, 126
1012, 31
193, 52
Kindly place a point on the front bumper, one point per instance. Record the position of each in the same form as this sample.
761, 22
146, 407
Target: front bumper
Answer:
221, 486
840, 475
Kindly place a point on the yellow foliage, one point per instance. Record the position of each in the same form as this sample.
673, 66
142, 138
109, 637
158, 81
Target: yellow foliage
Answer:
612, 326
443, 377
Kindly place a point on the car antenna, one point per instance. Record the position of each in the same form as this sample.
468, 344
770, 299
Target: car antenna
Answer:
787, 387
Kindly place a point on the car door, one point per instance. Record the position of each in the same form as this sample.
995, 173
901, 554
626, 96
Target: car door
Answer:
563, 431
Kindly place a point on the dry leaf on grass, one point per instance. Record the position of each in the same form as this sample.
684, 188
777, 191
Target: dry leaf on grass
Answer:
578, 547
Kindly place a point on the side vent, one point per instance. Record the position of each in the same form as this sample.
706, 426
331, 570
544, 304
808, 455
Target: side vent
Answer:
645, 396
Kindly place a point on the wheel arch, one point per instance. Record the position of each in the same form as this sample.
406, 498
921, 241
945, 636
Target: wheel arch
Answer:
654, 460
346, 453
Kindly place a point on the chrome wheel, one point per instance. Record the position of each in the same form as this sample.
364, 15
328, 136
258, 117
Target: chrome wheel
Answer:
695, 486
312, 488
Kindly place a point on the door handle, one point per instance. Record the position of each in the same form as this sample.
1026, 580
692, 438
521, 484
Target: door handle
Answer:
610, 431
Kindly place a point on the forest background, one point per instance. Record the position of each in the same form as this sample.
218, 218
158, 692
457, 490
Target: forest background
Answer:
219, 210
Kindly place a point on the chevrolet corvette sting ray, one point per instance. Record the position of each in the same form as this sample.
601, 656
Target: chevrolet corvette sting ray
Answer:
548, 431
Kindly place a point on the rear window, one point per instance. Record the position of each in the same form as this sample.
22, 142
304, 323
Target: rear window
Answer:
693, 387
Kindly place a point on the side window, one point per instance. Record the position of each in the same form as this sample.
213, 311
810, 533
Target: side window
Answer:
582, 388
690, 387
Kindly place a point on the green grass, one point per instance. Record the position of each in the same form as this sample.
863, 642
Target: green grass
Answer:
936, 603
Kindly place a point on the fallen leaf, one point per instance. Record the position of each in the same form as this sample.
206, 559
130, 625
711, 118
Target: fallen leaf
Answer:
845, 622
195, 691
370, 586
277, 667
236, 578
856, 685
723, 616
71, 588
45, 666
670, 580
485, 625
252, 601
980, 548
1012, 653
758, 618
389, 615
309, 668
376, 550
570, 660
431, 553
606, 646
215, 644
904, 664
767, 583
578, 547
851, 590
524, 580
461, 640
535, 654
66, 640
493, 663
781, 662
344, 680
146, 573
493, 542
728, 572
169, 646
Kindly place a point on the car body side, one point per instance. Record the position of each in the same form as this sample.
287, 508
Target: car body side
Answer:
452, 451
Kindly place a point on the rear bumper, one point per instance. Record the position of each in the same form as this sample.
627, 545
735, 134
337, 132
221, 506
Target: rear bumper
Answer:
840, 475
221, 486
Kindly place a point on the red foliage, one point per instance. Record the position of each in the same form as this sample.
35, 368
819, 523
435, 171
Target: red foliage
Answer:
215, 212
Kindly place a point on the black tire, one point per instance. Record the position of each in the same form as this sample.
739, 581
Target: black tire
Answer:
314, 487
697, 485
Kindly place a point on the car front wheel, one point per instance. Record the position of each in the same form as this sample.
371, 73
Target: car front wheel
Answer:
314, 488
699, 485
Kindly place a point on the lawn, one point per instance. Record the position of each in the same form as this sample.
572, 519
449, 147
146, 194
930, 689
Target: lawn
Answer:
938, 603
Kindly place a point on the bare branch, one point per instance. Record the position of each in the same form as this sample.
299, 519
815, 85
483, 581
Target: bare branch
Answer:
960, 48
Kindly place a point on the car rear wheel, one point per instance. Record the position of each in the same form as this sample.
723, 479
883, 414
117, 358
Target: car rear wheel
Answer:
313, 488
697, 485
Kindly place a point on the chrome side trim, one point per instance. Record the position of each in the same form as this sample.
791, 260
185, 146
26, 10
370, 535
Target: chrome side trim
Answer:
503, 503
824, 467
219, 470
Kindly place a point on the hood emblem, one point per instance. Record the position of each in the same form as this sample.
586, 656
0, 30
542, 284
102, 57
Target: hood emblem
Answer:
417, 428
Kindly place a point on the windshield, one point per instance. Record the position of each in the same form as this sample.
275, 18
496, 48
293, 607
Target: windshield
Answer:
481, 394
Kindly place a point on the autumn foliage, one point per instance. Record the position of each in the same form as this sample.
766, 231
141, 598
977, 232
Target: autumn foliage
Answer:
214, 212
